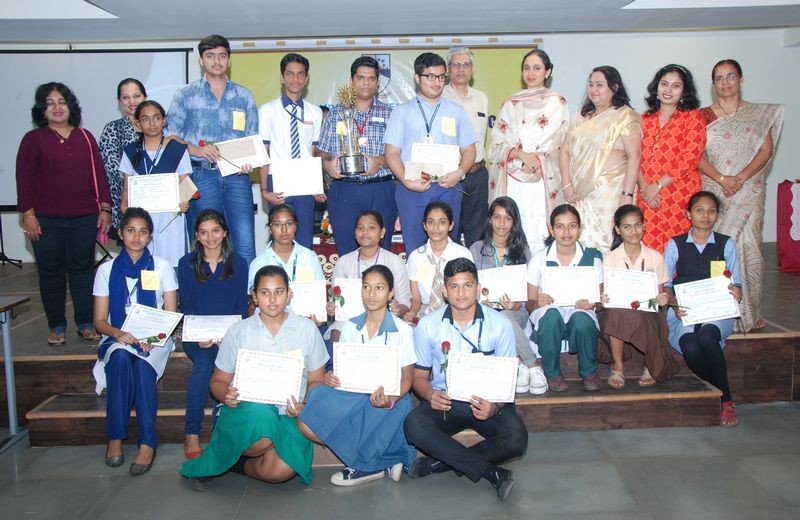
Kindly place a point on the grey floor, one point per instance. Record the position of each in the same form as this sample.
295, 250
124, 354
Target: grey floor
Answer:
748, 472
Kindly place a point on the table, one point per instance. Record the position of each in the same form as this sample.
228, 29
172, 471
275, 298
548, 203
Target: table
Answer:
7, 304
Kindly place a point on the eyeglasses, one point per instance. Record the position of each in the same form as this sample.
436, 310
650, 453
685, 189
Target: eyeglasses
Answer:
731, 76
146, 120
461, 65
286, 224
434, 77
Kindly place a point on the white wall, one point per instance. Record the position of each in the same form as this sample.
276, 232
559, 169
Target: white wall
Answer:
772, 73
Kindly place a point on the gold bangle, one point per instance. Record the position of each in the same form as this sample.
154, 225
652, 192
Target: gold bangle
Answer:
660, 187
721, 178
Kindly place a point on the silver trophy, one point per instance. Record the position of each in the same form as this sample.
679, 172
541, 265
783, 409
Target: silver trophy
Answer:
351, 161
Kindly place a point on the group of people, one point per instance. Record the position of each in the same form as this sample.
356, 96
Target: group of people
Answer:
672, 191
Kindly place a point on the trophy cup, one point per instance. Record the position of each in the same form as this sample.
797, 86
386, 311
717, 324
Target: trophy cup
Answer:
351, 161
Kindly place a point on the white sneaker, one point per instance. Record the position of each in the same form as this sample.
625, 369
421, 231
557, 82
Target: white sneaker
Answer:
538, 381
353, 477
523, 378
396, 472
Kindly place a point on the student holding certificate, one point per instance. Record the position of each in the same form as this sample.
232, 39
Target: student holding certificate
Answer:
262, 440
369, 233
464, 326
426, 263
213, 281
151, 154
504, 243
699, 254
647, 332
366, 430
128, 366
576, 324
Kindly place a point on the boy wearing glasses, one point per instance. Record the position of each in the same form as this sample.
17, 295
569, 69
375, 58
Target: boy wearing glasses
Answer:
289, 127
427, 119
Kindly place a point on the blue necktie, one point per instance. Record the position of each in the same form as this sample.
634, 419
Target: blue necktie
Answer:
294, 134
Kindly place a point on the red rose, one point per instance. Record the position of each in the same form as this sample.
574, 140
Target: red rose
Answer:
196, 195
727, 273
161, 335
634, 305
415, 320
445, 347
337, 291
485, 291
202, 142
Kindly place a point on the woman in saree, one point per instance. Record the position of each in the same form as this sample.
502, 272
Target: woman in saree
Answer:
741, 141
523, 153
600, 156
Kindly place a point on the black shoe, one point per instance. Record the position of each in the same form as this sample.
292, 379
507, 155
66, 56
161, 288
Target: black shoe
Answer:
140, 469
115, 461
200, 483
501, 479
424, 466
239, 466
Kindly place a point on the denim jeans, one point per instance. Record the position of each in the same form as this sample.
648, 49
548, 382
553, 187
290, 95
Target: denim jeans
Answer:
233, 197
66, 249
197, 390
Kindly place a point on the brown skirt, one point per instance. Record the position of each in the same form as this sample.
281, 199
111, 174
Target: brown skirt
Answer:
647, 332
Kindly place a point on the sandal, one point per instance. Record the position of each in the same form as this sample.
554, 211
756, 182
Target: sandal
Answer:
727, 415
616, 380
646, 379
57, 338
191, 452
88, 334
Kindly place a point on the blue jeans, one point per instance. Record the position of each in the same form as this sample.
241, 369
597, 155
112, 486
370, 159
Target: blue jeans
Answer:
66, 249
197, 391
131, 381
233, 197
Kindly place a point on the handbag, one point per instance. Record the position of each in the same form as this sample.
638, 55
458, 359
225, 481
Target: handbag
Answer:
102, 236
789, 226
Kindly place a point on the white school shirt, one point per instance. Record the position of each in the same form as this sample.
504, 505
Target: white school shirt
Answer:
421, 270
354, 331
274, 125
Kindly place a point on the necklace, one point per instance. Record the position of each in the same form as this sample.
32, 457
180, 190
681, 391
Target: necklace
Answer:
738, 104
61, 137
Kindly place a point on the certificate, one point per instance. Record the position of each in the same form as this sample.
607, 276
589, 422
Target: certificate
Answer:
433, 159
156, 192
623, 286
706, 300
297, 176
351, 291
207, 328
144, 322
187, 189
363, 368
567, 285
237, 152
509, 280
489, 377
309, 298
266, 377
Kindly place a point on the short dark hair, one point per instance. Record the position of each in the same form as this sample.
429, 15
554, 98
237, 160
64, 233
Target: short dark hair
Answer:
728, 61
381, 270
700, 195
293, 57
268, 271
364, 61
458, 266
212, 41
130, 80
370, 213
132, 213
614, 82
428, 59
438, 204
688, 101
40, 103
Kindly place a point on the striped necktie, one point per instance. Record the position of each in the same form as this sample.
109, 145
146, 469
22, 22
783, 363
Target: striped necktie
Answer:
294, 134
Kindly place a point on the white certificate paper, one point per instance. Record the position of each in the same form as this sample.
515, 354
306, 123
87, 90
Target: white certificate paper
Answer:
297, 176
266, 377
509, 280
351, 291
363, 368
433, 159
567, 285
706, 300
624, 286
156, 192
143, 322
489, 377
207, 328
238, 152
309, 298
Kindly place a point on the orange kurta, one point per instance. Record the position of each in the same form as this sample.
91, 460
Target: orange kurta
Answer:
674, 150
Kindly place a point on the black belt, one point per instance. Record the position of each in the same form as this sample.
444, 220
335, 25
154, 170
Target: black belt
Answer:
205, 165
357, 179
477, 166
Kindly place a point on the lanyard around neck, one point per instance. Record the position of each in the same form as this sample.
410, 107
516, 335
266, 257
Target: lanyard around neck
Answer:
475, 349
154, 160
428, 124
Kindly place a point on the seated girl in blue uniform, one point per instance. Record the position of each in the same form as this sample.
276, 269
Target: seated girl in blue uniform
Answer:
696, 255
577, 325
151, 154
366, 430
128, 366
213, 281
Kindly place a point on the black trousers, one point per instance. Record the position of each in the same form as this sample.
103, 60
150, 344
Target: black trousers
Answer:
505, 436
474, 205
